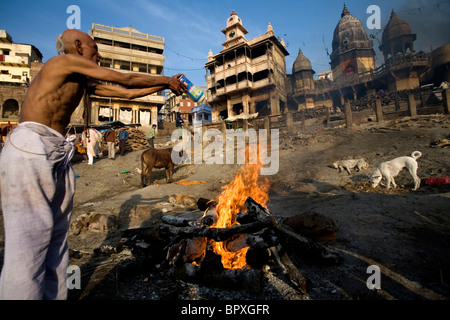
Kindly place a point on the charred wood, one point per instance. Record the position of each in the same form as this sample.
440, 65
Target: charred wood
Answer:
219, 234
179, 222
244, 217
291, 270
257, 258
286, 291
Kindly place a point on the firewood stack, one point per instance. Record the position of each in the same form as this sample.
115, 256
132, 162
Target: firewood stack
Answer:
136, 140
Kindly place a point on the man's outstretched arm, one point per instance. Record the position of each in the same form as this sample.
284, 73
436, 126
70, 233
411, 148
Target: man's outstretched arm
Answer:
80, 65
121, 92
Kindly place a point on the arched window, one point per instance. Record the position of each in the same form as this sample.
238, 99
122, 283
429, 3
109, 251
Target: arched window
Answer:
408, 47
349, 70
10, 109
398, 49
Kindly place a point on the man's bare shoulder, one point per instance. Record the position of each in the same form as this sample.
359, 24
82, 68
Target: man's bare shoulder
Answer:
65, 60
61, 66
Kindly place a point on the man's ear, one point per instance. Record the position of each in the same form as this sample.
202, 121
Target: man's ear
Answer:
79, 47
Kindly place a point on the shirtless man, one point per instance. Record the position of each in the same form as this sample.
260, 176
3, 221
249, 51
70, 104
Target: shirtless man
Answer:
37, 179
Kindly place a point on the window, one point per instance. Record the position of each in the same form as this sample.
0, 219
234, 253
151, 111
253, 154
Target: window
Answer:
107, 63
103, 41
139, 48
125, 65
143, 67
122, 44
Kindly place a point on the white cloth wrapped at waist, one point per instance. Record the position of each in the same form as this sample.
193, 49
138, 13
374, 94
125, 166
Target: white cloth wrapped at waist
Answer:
53, 144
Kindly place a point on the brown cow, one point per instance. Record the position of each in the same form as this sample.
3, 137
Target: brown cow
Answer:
156, 158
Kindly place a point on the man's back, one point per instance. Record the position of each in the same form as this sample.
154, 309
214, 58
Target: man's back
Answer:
53, 95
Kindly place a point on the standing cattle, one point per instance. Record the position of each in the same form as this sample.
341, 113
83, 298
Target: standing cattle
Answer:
156, 158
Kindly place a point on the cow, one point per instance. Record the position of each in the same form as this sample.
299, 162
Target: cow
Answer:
156, 158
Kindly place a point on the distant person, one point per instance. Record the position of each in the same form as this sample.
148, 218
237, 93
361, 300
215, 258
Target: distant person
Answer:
151, 136
110, 137
179, 124
123, 137
91, 141
37, 198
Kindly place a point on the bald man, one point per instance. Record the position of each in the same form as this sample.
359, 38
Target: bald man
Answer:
37, 179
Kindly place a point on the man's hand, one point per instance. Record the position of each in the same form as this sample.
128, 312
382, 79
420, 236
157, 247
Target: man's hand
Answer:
176, 85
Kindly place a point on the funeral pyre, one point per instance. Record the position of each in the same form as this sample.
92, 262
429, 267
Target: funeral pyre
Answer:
237, 242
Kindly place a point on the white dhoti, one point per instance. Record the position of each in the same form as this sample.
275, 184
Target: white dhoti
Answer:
37, 188
91, 141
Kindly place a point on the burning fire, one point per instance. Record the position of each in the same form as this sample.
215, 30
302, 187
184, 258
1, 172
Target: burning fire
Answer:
231, 201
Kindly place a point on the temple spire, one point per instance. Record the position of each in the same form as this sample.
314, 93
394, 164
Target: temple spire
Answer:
345, 11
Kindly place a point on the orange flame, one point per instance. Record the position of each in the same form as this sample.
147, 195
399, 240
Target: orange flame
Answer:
231, 202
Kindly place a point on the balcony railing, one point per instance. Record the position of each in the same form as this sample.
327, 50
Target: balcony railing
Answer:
241, 85
127, 33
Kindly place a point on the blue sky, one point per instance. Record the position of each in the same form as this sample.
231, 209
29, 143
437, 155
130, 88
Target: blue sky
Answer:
192, 28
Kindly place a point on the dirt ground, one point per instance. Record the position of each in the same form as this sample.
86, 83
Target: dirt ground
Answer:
405, 233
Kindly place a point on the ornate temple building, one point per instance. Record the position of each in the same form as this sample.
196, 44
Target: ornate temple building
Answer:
353, 67
352, 50
249, 76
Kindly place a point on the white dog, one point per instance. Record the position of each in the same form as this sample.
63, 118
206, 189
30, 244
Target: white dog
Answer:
357, 164
391, 169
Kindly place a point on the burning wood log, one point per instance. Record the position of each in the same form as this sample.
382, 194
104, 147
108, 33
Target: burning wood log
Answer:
237, 242
188, 250
210, 217
263, 239
219, 234
204, 204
